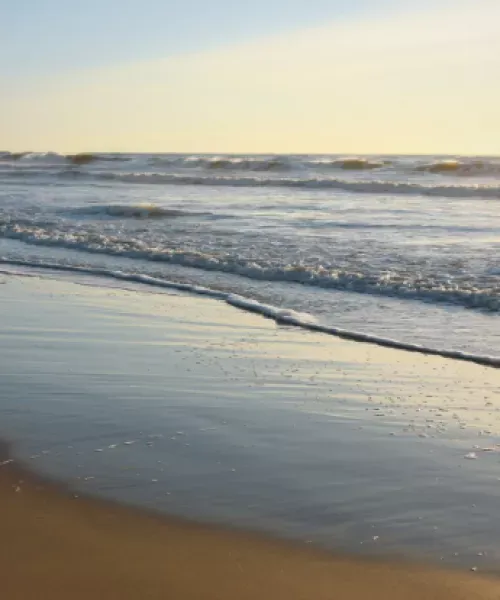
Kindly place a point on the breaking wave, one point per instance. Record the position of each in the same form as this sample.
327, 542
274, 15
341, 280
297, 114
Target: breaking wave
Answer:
54, 158
312, 164
281, 315
353, 164
469, 168
39, 157
395, 284
238, 163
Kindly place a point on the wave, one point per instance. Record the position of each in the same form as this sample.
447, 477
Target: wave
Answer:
135, 211
5, 155
463, 168
81, 159
317, 183
41, 157
48, 158
395, 284
446, 166
230, 163
54, 158
350, 164
280, 315
27, 174
240, 164
262, 164
86, 158
9, 156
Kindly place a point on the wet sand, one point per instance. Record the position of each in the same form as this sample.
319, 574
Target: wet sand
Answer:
57, 545
190, 408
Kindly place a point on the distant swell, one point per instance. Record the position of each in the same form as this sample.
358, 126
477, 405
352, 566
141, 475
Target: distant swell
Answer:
279, 314
134, 211
40, 157
81, 159
307, 165
383, 284
317, 183
54, 158
466, 169
355, 164
236, 164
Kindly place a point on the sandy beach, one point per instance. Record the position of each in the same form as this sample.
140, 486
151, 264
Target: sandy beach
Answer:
57, 545
194, 410
250, 300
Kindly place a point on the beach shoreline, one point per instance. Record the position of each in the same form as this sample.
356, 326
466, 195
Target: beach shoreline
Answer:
256, 421
58, 544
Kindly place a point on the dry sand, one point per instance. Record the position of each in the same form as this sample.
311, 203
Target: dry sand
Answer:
58, 546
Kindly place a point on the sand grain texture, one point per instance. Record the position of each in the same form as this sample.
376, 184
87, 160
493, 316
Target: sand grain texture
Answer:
57, 546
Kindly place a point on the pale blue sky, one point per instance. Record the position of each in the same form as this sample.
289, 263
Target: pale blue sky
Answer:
47, 36
342, 76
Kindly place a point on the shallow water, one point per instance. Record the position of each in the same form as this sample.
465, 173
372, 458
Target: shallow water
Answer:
191, 407
397, 247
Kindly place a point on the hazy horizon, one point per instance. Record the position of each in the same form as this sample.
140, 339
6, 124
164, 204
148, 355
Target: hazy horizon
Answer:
339, 154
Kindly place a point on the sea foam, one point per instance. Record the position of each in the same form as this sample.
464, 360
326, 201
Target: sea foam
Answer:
281, 315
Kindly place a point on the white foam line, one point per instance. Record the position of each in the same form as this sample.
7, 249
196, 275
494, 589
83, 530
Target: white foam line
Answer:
480, 299
278, 314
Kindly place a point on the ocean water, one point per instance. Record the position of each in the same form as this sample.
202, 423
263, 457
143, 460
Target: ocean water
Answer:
400, 249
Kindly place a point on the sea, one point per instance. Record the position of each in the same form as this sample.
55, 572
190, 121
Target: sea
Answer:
399, 250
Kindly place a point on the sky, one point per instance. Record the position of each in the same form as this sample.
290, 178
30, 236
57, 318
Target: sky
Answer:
315, 76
